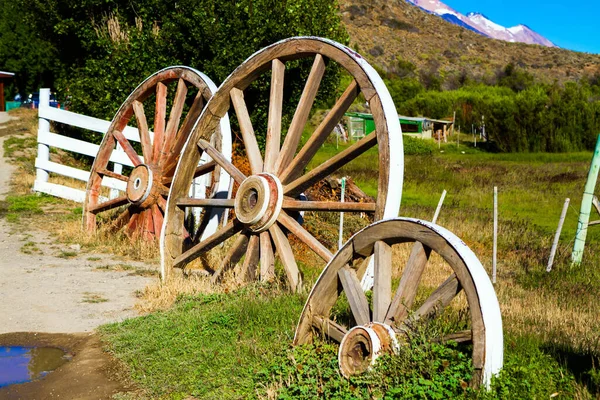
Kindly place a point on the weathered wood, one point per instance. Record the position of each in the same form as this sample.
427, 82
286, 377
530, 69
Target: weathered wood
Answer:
297, 186
203, 169
382, 288
221, 235
292, 138
250, 143
160, 113
356, 297
127, 148
294, 227
299, 205
439, 299
286, 256
232, 257
222, 161
273, 138
308, 151
192, 202
157, 218
105, 172
267, 258
409, 284
458, 337
174, 120
107, 205
142, 123
251, 259
330, 328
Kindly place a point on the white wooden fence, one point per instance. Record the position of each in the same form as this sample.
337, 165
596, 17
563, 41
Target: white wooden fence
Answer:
47, 139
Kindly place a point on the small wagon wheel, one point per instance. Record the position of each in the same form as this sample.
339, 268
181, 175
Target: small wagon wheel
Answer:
144, 182
267, 199
377, 325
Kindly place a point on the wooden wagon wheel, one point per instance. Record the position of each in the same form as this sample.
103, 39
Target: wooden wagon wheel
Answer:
377, 325
144, 182
266, 199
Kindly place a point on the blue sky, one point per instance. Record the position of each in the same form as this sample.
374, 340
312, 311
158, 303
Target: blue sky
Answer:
573, 25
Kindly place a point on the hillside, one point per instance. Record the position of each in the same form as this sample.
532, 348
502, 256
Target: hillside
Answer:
385, 31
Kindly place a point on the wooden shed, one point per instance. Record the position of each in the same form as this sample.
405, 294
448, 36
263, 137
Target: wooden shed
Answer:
3, 77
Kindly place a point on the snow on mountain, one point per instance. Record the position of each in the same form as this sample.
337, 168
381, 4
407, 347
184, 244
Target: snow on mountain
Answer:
479, 23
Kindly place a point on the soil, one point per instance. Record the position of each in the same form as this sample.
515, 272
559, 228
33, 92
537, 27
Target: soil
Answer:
51, 300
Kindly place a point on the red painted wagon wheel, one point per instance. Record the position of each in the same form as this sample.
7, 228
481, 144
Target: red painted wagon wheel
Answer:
266, 200
144, 182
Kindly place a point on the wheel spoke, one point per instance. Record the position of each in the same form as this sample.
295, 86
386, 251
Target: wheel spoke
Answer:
308, 151
191, 202
248, 136
107, 205
299, 205
174, 120
205, 168
188, 123
267, 259
297, 186
157, 217
356, 297
162, 203
160, 113
132, 225
111, 174
148, 225
234, 254
409, 283
216, 155
294, 133
439, 299
458, 337
120, 221
332, 329
382, 287
251, 260
142, 123
220, 236
293, 226
273, 139
127, 148
286, 256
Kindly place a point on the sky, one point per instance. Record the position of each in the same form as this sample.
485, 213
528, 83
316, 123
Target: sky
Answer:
573, 25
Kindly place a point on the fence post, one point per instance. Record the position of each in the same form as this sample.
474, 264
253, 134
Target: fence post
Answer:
118, 168
439, 207
43, 151
557, 236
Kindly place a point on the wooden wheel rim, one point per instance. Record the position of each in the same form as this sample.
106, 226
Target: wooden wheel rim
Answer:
388, 138
148, 205
486, 320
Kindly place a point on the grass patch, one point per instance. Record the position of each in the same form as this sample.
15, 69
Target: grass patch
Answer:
93, 298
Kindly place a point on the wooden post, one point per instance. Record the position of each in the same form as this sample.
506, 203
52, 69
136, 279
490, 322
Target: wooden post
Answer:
341, 238
586, 206
43, 153
118, 168
439, 207
495, 234
557, 236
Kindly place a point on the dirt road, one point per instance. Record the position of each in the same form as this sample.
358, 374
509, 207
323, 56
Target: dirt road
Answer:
45, 292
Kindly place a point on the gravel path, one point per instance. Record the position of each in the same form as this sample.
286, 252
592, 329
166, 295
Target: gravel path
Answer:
46, 293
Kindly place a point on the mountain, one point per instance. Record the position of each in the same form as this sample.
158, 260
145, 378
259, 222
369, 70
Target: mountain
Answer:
479, 23
386, 32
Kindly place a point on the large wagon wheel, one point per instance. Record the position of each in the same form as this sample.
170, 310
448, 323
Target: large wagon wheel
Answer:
267, 199
139, 209
377, 325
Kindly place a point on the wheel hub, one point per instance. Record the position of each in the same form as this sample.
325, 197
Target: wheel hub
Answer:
362, 345
258, 201
139, 185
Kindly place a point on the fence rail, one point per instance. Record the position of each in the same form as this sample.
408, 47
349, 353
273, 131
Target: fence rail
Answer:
47, 139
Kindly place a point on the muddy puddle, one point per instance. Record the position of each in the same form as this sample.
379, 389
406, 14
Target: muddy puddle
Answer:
20, 364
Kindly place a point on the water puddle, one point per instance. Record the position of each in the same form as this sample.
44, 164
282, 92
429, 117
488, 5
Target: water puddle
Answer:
24, 364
